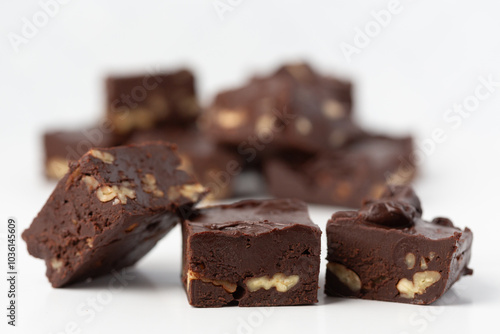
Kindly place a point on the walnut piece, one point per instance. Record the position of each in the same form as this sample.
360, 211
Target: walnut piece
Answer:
121, 193
423, 263
345, 275
189, 191
332, 109
186, 163
230, 119
228, 286
56, 264
265, 124
56, 168
150, 185
280, 281
400, 177
91, 182
421, 281
103, 156
303, 126
410, 260
90, 242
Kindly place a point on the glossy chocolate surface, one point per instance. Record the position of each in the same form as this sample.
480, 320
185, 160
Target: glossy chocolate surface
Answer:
231, 245
110, 210
386, 251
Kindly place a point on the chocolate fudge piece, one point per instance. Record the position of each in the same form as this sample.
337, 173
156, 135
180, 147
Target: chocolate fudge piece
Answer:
61, 147
251, 253
144, 101
343, 177
214, 166
110, 210
386, 251
293, 108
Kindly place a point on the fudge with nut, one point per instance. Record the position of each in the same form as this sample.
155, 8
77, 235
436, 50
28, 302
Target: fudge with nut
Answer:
293, 108
61, 147
214, 166
343, 177
251, 253
110, 210
386, 251
145, 101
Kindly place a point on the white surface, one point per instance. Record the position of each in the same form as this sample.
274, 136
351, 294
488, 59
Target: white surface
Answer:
428, 58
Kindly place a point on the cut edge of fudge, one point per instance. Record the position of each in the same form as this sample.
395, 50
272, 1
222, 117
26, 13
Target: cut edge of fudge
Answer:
241, 267
144, 101
110, 210
296, 105
215, 166
342, 177
63, 146
386, 251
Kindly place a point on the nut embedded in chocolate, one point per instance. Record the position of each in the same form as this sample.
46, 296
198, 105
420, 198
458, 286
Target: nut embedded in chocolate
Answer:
147, 101
343, 177
251, 253
102, 217
214, 166
305, 109
416, 264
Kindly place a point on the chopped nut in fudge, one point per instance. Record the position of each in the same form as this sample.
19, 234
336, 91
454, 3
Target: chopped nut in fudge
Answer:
61, 147
343, 177
296, 107
146, 101
251, 253
386, 251
110, 210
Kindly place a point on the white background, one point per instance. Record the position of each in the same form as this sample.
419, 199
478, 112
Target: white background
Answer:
429, 57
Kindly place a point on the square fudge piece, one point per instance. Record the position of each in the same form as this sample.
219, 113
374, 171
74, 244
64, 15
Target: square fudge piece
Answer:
61, 147
385, 251
295, 107
110, 210
216, 167
343, 177
251, 253
144, 101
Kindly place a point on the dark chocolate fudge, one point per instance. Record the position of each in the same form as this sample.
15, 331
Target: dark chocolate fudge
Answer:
110, 210
293, 108
343, 177
386, 251
251, 253
144, 101
61, 147
214, 166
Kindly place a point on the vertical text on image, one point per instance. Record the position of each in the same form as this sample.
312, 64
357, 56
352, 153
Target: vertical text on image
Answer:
12, 272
